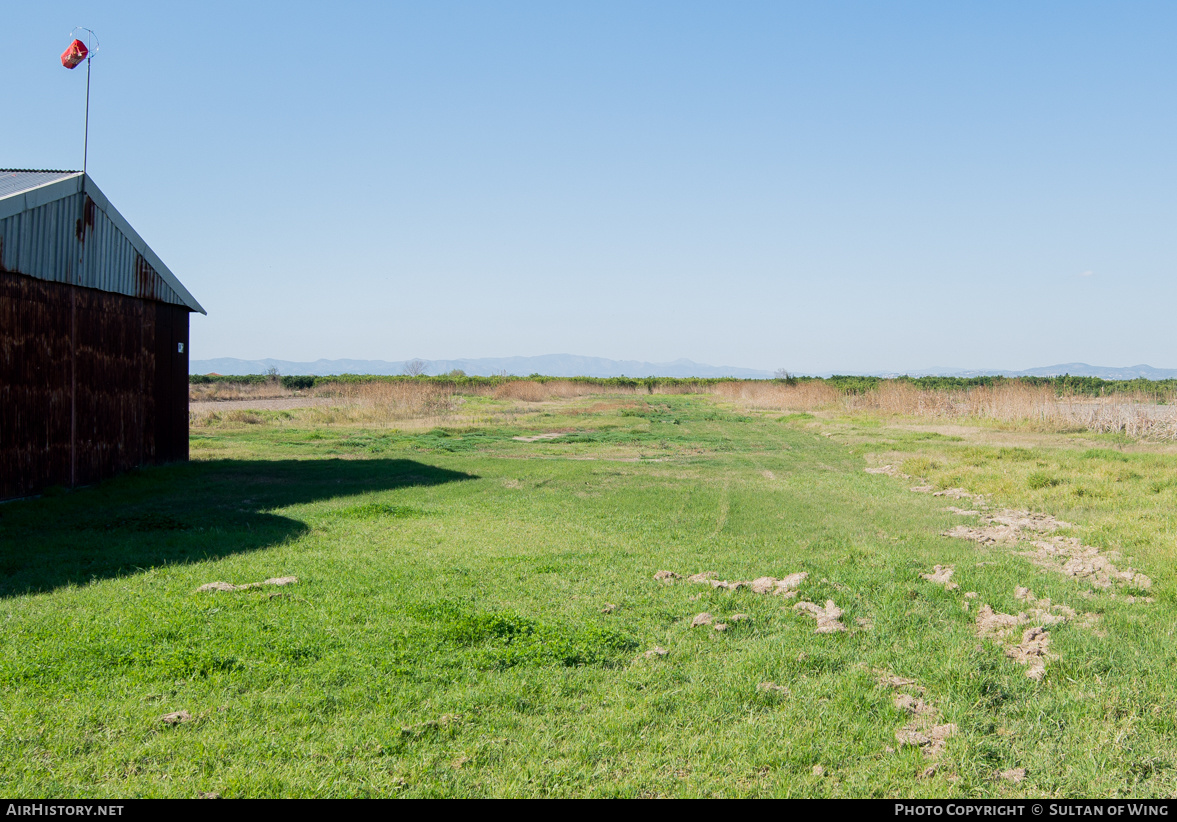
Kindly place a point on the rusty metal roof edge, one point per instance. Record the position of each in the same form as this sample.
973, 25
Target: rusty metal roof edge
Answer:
100, 199
48, 192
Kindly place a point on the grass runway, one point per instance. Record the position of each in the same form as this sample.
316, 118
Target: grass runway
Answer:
477, 615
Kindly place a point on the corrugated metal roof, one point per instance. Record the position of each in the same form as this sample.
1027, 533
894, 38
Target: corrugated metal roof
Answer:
63, 229
16, 180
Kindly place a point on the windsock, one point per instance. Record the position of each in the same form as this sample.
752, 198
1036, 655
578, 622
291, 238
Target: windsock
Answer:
74, 55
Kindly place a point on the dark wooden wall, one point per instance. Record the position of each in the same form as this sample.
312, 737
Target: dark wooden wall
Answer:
91, 384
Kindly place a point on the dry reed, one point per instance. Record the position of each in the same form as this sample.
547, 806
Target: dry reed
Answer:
385, 402
1138, 416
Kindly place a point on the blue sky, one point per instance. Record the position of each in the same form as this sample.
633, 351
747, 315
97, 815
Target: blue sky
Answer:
816, 186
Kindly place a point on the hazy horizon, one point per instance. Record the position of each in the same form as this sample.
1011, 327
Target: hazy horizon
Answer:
570, 365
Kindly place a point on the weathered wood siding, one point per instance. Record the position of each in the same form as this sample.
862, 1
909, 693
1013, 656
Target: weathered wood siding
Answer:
91, 383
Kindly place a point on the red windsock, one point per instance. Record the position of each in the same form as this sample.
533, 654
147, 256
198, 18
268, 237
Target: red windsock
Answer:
75, 54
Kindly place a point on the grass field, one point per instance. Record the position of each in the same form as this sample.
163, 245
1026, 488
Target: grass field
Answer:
478, 615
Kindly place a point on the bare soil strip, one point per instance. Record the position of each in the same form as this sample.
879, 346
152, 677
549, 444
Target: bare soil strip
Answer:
227, 586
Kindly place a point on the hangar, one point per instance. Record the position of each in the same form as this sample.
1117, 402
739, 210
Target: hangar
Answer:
93, 339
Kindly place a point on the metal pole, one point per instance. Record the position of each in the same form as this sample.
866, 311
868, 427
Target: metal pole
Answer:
86, 143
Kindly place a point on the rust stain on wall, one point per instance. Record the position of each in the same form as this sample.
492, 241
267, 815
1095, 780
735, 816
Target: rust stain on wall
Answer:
146, 280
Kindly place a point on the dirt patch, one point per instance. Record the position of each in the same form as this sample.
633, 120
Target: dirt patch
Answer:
226, 586
1005, 527
551, 436
1064, 555
1033, 651
964, 512
892, 681
667, 576
924, 729
1032, 647
768, 475
958, 493
994, 625
176, 718
1014, 775
942, 575
923, 489
987, 534
1027, 521
760, 585
776, 587
827, 617
1067, 555
702, 619
655, 652
889, 470
609, 608
772, 687
923, 732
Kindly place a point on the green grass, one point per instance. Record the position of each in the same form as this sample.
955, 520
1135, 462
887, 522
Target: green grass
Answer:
448, 635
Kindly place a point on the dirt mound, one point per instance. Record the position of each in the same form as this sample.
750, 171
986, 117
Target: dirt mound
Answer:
702, 619
924, 730
986, 535
1067, 555
226, 586
774, 586
1032, 647
1032, 651
1005, 527
176, 718
760, 585
1027, 520
655, 652
942, 575
827, 617
669, 576
958, 493
991, 624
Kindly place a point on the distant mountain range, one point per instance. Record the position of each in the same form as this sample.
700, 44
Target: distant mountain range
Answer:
569, 365
1075, 369
551, 365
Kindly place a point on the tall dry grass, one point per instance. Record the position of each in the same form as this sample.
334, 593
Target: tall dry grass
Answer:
1039, 407
222, 391
1138, 416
